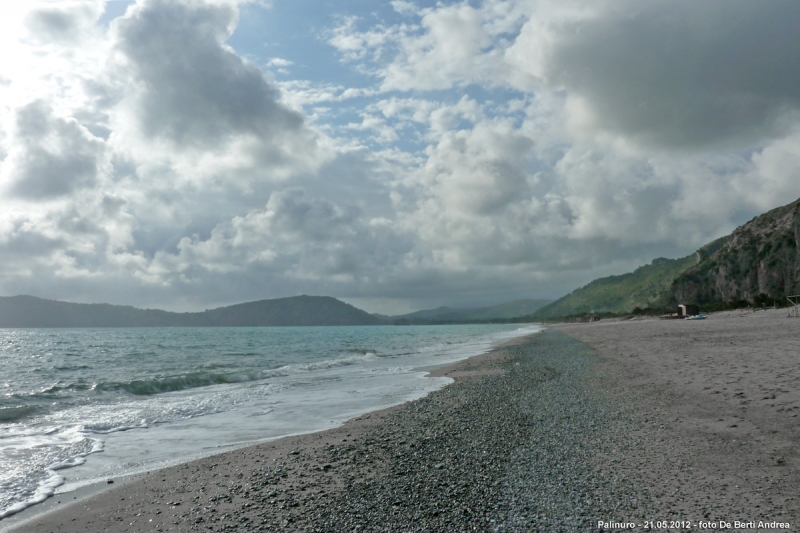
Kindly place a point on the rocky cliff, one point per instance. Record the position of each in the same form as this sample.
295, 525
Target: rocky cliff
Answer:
759, 262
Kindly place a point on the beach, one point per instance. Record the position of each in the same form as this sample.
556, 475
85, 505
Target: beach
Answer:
583, 427
717, 404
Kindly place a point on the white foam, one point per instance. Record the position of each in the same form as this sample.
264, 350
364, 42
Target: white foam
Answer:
49, 442
149, 432
43, 491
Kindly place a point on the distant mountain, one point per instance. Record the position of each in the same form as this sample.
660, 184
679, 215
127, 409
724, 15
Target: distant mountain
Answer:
760, 261
294, 311
31, 312
441, 315
426, 313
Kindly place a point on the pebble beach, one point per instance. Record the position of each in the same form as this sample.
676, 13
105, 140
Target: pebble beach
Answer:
610, 426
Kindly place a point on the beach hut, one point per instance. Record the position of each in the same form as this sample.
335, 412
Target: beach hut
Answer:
685, 310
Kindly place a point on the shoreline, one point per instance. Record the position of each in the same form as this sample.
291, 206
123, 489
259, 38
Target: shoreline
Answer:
581, 427
61, 501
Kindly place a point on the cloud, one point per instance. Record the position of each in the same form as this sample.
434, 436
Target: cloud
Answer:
279, 62
471, 202
291, 242
637, 114
53, 156
679, 74
115, 146
670, 74
777, 167
354, 44
191, 89
523, 148
383, 132
62, 23
300, 93
445, 46
452, 41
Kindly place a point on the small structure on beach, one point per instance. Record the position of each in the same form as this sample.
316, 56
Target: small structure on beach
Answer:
684, 311
794, 310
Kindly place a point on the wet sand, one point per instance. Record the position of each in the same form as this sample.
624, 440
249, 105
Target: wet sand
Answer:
642, 420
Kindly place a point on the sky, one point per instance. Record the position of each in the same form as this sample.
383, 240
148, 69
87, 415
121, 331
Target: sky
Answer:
188, 154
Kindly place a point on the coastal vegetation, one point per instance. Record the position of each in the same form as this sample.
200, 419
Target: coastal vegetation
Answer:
641, 289
757, 265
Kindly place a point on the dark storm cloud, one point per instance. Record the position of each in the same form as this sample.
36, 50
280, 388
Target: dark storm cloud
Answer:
686, 73
56, 155
195, 91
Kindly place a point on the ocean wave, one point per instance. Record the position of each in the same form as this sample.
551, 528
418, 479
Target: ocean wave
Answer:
43, 491
331, 363
362, 351
160, 385
12, 414
300, 380
58, 387
111, 427
68, 368
48, 479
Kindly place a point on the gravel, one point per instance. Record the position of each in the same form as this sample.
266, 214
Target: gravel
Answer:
513, 451
544, 435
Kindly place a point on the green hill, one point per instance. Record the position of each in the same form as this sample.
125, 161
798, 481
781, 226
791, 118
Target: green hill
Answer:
647, 286
759, 263
619, 294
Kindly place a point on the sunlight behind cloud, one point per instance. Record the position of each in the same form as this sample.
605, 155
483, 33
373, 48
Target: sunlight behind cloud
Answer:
173, 153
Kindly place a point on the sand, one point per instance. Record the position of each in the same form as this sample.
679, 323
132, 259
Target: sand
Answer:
706, 428
717, 403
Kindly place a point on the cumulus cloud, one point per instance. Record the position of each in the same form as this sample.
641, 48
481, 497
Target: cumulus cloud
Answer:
52, 156
62, 23
134, 138
523, 148
452, 41
682, 73
636, 114
450, 44
292, 244
679, 74
192, 110
190, 88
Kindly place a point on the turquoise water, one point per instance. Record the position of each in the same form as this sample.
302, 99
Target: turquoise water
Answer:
80, 405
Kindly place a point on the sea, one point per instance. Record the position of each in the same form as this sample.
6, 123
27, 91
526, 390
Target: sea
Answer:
81, 406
